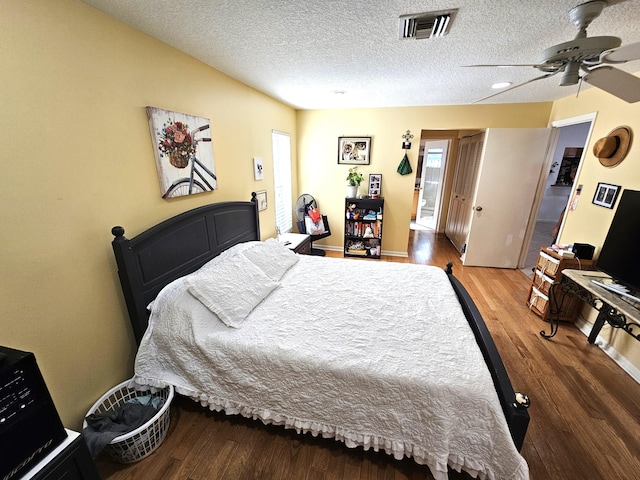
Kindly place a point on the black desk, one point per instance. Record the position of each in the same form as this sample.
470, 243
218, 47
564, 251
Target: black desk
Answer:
612, 308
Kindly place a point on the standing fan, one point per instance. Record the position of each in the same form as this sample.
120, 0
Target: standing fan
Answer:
301, 209
303, 204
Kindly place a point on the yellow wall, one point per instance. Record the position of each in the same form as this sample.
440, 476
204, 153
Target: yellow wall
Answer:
320, 175
589, 223
77, 159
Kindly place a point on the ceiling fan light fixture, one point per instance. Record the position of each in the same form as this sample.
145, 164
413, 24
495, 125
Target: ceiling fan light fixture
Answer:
571, 75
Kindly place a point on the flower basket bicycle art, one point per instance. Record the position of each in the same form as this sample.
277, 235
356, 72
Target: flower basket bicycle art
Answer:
176, 148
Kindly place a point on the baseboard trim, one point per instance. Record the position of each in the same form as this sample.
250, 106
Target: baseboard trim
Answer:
616, 356
391, 253
328, 247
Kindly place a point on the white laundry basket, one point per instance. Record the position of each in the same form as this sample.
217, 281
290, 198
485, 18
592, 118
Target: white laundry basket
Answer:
141, 442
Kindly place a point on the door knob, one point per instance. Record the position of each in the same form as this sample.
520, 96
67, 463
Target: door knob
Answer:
478, 209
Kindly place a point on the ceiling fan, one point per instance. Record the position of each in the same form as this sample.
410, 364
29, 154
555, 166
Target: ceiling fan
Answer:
587, 59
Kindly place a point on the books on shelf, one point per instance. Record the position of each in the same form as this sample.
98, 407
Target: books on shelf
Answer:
358, 228
363, 227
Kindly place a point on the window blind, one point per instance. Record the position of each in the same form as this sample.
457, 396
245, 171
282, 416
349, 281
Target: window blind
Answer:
281, 144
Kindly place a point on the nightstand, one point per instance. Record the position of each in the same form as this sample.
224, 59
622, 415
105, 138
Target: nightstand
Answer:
298, 242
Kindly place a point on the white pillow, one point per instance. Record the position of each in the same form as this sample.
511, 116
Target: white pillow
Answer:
273, 258
229, 253
231, 289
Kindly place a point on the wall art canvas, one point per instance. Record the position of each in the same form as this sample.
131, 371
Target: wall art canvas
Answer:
183, 152
258, 168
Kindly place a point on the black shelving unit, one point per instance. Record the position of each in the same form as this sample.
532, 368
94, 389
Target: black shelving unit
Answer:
363, 227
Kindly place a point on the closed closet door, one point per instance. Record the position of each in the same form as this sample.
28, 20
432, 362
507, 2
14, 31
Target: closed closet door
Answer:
462, 191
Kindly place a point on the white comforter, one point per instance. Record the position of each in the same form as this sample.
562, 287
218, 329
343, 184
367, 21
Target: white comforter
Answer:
375, 354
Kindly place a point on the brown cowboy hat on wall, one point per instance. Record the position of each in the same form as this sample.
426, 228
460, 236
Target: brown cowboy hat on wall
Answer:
612, 149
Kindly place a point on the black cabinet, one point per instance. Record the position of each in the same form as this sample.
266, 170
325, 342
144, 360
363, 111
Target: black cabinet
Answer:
363, 227
70, 461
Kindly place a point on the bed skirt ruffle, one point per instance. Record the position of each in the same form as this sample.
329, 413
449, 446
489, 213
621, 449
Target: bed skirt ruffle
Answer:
397, 448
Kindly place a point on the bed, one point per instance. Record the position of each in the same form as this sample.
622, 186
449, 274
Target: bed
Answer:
250, 328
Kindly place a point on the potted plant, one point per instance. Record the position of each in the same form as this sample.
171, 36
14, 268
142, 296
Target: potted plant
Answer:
354, 178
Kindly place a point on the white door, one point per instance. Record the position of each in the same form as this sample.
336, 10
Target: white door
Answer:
511, 165
433, 163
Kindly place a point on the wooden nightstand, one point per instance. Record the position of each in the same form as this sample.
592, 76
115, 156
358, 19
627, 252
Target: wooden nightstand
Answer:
298, 242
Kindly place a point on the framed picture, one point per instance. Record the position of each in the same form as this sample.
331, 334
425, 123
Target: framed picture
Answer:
183, 152
261, 196
257, 168
354, 150
375, 185
606, 195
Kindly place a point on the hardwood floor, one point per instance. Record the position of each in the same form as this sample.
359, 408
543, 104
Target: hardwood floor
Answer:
585, 411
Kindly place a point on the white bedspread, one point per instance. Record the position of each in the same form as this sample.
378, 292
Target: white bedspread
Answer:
375, 354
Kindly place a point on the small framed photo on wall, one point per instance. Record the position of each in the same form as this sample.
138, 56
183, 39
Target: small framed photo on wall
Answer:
375, 185
258, 168
261, 198
606, 195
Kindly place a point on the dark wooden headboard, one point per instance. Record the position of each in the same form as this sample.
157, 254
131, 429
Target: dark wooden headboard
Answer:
176, 247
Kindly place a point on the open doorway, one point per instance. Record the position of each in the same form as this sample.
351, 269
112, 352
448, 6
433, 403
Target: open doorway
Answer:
429, 183
567, 157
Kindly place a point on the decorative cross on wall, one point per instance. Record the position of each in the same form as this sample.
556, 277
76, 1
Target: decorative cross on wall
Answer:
406, 145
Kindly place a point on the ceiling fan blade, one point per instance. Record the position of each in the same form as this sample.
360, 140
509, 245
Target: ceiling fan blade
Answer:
616, 82
506, 65
535, 79
626, 53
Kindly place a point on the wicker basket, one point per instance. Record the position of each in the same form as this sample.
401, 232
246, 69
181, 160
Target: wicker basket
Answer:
547, 264
538, 300
141, 442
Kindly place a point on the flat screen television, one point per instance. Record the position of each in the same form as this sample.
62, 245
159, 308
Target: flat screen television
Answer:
620, 253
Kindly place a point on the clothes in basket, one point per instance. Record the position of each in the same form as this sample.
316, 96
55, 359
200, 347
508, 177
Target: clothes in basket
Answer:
103, 427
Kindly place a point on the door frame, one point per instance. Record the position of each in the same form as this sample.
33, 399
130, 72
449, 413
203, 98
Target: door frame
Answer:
553, 143
441, 179
453, 136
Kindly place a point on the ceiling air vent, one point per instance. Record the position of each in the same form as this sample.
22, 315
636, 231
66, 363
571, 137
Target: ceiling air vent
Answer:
425, 25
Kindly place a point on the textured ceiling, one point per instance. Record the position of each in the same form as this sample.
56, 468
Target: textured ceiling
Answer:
300, 52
